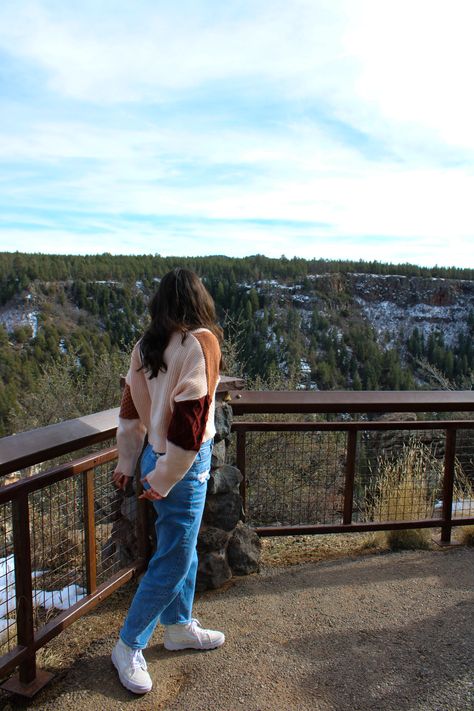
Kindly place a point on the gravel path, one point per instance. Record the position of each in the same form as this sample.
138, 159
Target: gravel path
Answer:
379, 633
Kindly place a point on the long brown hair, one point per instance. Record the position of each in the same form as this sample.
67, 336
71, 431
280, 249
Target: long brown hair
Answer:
182, 303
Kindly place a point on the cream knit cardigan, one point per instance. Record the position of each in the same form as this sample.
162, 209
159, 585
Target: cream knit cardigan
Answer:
176, 408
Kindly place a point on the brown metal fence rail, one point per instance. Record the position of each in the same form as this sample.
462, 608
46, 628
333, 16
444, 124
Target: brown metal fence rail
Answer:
328, 477
302, 478
57, 559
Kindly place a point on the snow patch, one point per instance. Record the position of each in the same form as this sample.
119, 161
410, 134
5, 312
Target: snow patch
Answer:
388, 317
305, 366
16, 316
462, 508
48, 599
58, 599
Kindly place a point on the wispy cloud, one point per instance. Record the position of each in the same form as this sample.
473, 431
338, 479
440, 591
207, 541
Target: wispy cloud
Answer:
298, 126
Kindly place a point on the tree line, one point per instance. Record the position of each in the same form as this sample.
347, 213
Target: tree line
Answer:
18, 269
89, 310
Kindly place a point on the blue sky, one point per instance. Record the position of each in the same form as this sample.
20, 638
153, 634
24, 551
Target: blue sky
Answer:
317, 128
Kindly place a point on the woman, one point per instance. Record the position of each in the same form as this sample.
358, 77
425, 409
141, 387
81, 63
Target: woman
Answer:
169, 395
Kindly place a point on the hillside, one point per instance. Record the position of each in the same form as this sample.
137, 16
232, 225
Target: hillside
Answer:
293, 323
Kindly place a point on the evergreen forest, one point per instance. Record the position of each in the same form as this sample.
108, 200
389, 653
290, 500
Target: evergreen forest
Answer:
289, 323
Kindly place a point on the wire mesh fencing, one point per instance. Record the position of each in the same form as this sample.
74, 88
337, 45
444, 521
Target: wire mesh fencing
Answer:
463, 498
65, 565
57, 548
294, 477
391, 473
107, 504
7, 581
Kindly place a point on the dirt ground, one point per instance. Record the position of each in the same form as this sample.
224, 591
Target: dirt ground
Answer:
339, 632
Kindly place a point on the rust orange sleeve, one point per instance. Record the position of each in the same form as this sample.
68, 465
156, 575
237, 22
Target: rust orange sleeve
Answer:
128, 411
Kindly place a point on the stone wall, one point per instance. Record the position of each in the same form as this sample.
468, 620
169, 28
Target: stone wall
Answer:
226, 546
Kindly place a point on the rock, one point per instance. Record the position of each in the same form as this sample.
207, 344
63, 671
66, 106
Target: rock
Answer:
224, 479
243, 551
107, 506
124, 537
213, 571
223, 421
223, 510
218, 454
107, 551
213, 568
212, 539
128, 507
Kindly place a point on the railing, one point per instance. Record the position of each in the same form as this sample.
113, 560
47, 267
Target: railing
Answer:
51, 522
302, 478
52, 570
305, 477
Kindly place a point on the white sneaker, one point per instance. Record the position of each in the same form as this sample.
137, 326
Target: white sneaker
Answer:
131, 667
191, 636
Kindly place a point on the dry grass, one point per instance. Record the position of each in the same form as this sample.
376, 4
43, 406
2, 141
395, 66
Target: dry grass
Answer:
292, 550
464, 491
405, 489
466, 536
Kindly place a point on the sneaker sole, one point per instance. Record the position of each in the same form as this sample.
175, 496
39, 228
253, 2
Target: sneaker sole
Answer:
176, 647
134, 688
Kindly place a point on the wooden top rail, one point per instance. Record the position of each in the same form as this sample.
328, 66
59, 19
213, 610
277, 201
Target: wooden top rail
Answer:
302, 401
28, 448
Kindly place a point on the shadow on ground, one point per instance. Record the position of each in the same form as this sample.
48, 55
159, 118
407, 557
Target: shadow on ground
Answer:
380, 633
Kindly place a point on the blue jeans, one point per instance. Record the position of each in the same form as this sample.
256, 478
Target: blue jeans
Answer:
166, 591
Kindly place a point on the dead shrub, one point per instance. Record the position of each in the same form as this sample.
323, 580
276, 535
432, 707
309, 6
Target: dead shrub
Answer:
466, 535
405, 489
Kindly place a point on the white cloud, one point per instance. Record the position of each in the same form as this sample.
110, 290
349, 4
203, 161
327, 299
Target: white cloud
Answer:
377, 63
415, 65
158, 47
296, 176
371, 131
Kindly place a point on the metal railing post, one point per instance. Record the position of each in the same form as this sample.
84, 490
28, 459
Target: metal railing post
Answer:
241, 466
350, 473
24, 590
89, 530
448, 484
28, 680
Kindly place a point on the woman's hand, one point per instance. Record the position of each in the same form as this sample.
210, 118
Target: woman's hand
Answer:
150, 493
120, 479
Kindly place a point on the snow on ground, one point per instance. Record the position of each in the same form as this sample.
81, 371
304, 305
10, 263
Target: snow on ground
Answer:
48, 599
388, 317
15, 316
305, 367
32, 319
301, 298
462, 508
58, 599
